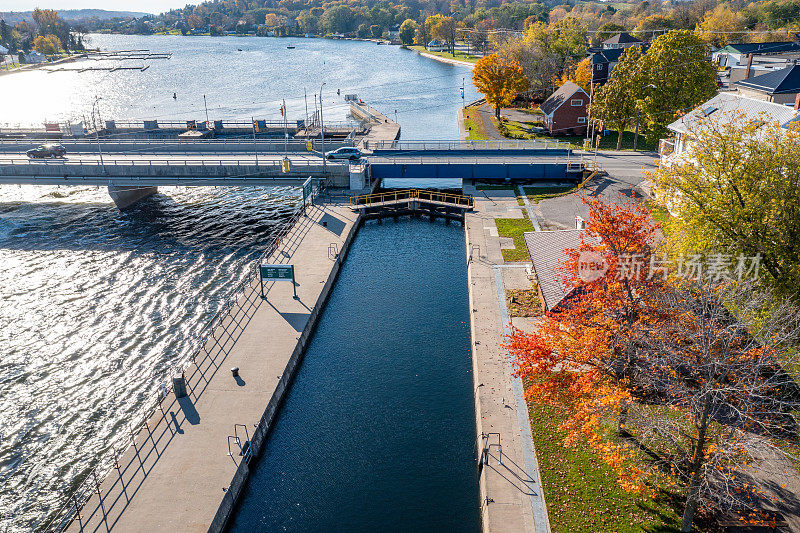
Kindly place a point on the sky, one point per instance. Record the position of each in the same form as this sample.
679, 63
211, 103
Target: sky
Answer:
148, 6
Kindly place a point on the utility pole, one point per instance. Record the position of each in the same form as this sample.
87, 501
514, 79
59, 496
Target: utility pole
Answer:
285, 129
322, 130
463, 81
97, 131
636, 137
206, 106
255, 149
305, 96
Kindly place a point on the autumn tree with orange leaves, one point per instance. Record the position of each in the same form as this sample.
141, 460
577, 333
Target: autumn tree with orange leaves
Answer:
499, 80
663, 377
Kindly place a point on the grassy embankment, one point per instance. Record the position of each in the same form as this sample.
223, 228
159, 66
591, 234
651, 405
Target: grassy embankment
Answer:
519, 130
581, 491
459, 55
473, 124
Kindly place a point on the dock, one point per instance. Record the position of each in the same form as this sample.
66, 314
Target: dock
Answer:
190, 457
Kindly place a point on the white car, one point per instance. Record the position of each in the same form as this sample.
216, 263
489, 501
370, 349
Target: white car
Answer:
345, 152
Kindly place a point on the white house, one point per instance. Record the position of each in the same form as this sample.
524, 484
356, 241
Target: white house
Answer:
725, 107
436, 46
34, 57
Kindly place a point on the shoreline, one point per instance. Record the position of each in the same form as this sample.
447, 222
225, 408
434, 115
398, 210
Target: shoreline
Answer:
446, 60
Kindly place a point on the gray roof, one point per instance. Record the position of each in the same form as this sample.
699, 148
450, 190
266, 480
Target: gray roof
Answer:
622, 38
761, 48
727, 107
783, 81
547, 253
560, 96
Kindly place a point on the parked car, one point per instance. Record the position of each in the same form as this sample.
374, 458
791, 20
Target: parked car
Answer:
345, 152
47, 150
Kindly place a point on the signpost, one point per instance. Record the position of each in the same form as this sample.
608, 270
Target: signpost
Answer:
277, 273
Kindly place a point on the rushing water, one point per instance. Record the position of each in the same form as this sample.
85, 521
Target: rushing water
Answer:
378, 430
97, 305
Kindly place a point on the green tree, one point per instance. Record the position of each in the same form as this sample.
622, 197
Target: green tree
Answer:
548, 52
616, 103
337, 19
363, 31
682, 78
498, 80
738, 192
376, 31
407, 31
445, 30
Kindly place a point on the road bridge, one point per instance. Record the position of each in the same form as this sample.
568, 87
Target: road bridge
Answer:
133, 169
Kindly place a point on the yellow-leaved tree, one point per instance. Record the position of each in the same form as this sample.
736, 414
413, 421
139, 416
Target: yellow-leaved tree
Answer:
499, 80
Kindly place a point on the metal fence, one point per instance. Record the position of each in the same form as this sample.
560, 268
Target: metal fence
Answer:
472, 145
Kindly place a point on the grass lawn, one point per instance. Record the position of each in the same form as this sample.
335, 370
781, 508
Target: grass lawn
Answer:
581, 491
459, 55
516, 130
514, 228
523, 302
536, 194
473, 124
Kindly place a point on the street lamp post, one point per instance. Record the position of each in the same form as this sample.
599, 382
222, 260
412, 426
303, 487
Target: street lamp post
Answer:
322, 130
97, 131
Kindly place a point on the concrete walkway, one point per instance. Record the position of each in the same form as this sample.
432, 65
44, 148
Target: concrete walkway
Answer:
511, 496
175, 477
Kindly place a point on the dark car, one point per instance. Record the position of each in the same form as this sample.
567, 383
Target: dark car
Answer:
47, 150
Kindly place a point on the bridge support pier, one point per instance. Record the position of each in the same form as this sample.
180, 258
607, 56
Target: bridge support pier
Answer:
126, 196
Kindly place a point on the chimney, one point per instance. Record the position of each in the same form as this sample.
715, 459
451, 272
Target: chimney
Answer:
749, 63
797, 102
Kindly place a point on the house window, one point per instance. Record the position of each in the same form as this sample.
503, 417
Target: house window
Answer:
599, 67
581, 120
576, 102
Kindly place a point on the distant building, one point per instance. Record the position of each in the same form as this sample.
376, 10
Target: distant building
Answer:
436, 46
621, 40
33, 57
734, 55
780, 86
604, 61
565, 111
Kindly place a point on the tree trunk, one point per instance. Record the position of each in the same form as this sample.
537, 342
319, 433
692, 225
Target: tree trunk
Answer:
697, 463
497, 112
619, 138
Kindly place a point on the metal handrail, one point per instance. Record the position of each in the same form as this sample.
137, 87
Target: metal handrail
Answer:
473, 145
72, 506
412, 194
165, 162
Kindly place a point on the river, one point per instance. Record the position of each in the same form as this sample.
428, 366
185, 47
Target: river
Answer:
98, 305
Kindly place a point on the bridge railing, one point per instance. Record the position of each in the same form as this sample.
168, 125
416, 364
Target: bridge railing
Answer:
296, 164
423, 195
508, 144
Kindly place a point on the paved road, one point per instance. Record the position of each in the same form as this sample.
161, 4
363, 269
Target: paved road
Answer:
626, 171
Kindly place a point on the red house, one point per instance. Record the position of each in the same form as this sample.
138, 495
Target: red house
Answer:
565, 111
